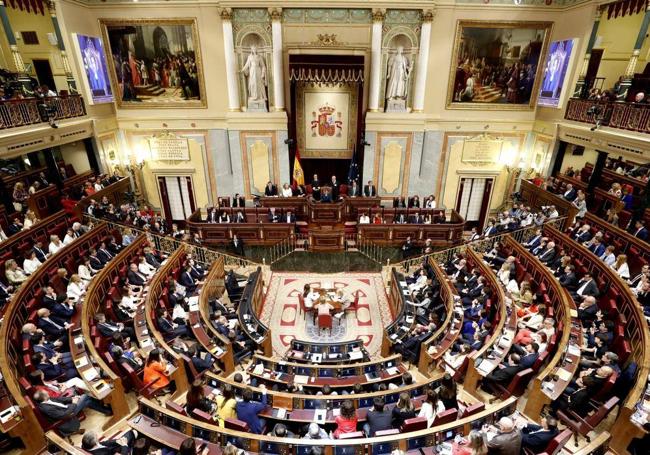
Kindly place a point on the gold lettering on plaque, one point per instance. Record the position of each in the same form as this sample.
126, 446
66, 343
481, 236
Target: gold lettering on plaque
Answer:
481, 151
169, 147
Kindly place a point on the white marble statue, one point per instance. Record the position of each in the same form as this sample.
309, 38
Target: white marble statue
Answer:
397, 75
255, 72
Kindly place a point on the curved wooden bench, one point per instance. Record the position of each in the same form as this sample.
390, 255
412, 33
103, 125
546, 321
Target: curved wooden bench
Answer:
17, 312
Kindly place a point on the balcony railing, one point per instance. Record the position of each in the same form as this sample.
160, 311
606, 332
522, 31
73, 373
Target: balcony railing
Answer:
625, 116
21, 112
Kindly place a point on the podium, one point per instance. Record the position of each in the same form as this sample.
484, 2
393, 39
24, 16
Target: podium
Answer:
325, 212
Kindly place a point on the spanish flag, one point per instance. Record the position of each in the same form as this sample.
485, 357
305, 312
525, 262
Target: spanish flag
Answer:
298, 175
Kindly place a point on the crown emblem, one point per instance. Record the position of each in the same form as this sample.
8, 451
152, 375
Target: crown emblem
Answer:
327, 109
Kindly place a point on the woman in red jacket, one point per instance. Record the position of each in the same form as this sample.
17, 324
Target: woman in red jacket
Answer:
346, 422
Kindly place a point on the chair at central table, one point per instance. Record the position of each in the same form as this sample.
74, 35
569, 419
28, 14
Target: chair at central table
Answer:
324, 319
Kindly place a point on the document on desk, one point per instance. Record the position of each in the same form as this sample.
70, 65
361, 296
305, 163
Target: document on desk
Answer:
317, 358
300, 379
485, 367
259, 368
319, 416
403, 284
8, 414
356, 355
573, 350
564, 375
392, 371
81, 362
91, 375
281, 413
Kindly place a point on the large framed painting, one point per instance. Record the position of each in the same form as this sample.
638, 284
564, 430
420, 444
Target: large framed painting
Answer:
326, 120
558, 61
95, 82
497, 65
154, 62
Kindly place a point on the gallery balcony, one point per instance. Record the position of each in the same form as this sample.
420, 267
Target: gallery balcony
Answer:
614, 114
30, 111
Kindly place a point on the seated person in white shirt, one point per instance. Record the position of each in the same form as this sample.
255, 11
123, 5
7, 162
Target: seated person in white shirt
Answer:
420, 282
310, 296
55, 244
620, 266
608, 257
345, 300
364, 219
76, 288
286, 190
145, 268
31, 263
69, 237
84, 270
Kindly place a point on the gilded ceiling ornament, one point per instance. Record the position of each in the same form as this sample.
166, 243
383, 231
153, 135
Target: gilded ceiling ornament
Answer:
327, 39
428, 15
378, 15
226, 14
276, 14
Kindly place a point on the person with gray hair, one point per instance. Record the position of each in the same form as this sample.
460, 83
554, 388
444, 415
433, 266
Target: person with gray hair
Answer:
122, 445
67, 409
315, 432
507, 440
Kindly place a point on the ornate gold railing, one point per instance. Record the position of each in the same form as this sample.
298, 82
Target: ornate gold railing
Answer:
626, 116
15, 113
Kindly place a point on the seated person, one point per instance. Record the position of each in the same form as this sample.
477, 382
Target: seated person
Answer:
503, 376
577, 400
248, 410
168, 327
188, 281
67, 409
14, 274
273, 217
378, 418
122, 445
156, 371
108, 328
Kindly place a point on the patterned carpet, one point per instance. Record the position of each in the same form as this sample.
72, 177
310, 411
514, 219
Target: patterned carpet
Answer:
281, 311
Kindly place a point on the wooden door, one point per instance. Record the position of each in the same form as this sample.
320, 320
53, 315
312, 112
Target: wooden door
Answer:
177, 198
473, 201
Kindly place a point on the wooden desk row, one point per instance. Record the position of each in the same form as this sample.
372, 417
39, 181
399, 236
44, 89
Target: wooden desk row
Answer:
568, 330
403, 314
250, 306
45, 201
446, 234
617, 298
251, 233
536, 198
251, 443
303, 206
115, 193
22, 306
450, 329
332, 353
609, 176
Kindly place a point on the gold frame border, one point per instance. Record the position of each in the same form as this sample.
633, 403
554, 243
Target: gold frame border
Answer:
353, 90
202, 103
243, 135
406, 171
532, 103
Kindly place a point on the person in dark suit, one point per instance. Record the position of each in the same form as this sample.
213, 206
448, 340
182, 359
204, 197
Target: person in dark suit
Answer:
586, 287
270, 189
15, 227
490, 229
568, 279
103, 254
548, 255
5, 293
134, 276
299, 190
273, 217
400, 219
378, 418
569, 193
122, 445
201, 364
530, 357
96, 263
39, 345
153, 259
597, 247
503, 376
108, 328
407, 247
315, 187
289, 217
588, 310
186, 279
587, 386
238, 201
239, 217
169, 328
353, 189
537, 437
369, 190
237, 245
125, 357
54, 328
41, 255
640, 230
224, 218
67, 409
53, 367
335, 188
213, 216
63, 308
583, 234
417, 219
399, 203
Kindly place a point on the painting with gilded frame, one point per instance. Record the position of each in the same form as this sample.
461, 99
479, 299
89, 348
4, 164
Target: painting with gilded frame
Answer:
497, 64
154, 63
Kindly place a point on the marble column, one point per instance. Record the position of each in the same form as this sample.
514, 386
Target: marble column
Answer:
581, 86
11, 38
231, 62
278, 67
72, 85
423, 62
643, 31
375, 60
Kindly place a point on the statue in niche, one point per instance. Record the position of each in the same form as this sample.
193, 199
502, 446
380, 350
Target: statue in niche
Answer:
255, 71
397, 75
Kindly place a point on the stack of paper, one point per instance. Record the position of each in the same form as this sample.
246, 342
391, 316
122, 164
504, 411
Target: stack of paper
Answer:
356, 355
300, 379
281, 413
392, 371
259, 368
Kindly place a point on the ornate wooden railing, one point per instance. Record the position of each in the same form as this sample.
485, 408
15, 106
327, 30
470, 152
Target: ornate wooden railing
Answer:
21, 112
625, 116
